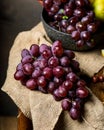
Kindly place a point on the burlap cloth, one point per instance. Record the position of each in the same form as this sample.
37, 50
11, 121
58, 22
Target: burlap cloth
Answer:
42, 109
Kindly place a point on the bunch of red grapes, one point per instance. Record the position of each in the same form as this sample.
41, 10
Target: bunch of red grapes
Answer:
52, 69
74, 17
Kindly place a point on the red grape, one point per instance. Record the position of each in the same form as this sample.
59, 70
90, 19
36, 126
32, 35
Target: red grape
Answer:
74, 113
58, 71
92, 27
51, 87
34, 50
47, 73
28, 69
79, 3
82, 92
81, 83
47, 54
18, 75
36, 73
57, 48
58, 81
67, 85
24, 53
19, 67
41, 81
62, 92
31, 84
70, 29
66, 104
64, 61
85, 35
56, 95
27, 59
69, 53
80, 26
75, 35
79, 12
53, 61
72, 77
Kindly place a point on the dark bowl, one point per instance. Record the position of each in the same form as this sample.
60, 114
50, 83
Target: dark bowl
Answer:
67, 41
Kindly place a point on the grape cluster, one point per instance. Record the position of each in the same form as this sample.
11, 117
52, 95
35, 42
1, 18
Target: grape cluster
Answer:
52, 69
98, 78
74, 17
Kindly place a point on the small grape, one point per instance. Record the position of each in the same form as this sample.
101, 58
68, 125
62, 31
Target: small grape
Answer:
58, 71
75, 66
57, 2
73, 20
80, 26
47, 73
56, 95
47, 54
79, 3
79, 12
47, 3
34, 50
58, 17
57, 48
28, 68
42, 48
53, 61
82, 92
27, 59
64, 61
75, 35
24, 53
67, 85
81, 83
72, 77
31, 84
68, 12
19, 67
64, 23
74, 113
101, 78
43, 63
76, 105
54, 9
71, 4
85, 35
66, 104
51, 87
36, 73
57, 81
86, 19
62, 91
18, 75
91, 27
69, 53
67, 69
80, 43
41, 81
70, 29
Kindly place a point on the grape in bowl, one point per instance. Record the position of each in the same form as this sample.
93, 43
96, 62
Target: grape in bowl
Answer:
79, 31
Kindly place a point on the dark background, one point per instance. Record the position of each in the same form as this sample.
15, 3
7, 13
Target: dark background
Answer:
15, 16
